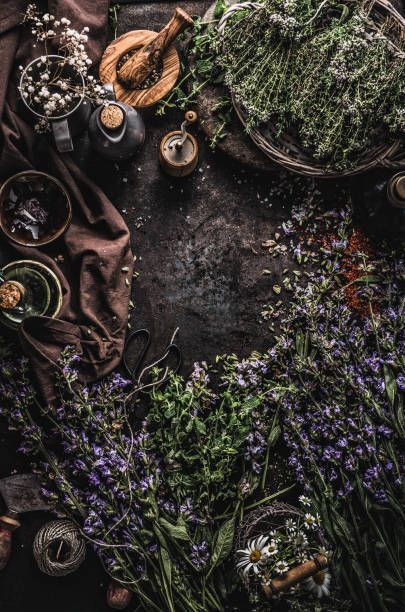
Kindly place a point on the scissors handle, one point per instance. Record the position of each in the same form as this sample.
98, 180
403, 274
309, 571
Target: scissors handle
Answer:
132, 371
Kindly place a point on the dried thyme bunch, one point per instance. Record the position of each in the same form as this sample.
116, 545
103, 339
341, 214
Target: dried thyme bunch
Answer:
327, 70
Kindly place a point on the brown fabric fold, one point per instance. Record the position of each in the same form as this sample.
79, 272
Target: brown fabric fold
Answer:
96, 246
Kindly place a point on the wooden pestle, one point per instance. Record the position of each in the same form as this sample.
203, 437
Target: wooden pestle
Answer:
138, 67
296, 575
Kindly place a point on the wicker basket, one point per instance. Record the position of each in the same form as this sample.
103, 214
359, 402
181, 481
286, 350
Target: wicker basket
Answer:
262, 521
286, 150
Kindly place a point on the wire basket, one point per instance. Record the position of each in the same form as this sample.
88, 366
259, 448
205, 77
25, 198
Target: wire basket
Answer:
287, 150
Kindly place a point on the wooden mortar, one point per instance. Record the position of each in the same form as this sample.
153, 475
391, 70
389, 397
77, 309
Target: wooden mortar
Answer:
295, 575
142, 63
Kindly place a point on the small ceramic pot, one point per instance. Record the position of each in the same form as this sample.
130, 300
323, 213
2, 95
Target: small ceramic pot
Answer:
118, 597
60, 215
66, 125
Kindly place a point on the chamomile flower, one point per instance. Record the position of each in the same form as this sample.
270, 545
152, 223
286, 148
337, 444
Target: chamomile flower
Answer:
282, 567
318, 584
253, 556
290, 524
271, 549
300, 540
310, 521
304, 501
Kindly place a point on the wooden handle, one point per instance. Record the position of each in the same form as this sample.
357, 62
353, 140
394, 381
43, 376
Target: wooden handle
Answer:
138, 67
7, 526
191, 116
296, 575
118, 597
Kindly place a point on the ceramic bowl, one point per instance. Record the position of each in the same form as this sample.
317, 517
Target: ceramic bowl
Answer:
48, 194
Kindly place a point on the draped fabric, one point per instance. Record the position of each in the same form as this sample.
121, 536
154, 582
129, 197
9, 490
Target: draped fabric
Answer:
96, 246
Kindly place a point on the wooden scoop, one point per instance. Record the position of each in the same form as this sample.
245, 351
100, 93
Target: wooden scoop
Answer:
138, 67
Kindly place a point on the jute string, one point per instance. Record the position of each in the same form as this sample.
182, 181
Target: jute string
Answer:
59, 548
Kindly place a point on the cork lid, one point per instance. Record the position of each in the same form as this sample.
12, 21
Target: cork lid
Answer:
112, 116
10, 294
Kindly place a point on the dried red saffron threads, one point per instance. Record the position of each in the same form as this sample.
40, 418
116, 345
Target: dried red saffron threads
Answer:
352, 270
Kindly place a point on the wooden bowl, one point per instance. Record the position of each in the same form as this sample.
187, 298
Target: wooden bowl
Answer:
58, 207
138, 98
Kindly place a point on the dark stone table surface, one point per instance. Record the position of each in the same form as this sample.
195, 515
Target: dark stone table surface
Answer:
200, 264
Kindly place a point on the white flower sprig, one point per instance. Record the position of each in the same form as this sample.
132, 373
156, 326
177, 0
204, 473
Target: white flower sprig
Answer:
54, 85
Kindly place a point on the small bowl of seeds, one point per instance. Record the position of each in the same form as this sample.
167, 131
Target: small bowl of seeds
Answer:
35, 208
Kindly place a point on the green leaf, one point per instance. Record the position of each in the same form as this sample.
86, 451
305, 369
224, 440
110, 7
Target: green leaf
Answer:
390, 383
177, 532
200, 427
274, 435
166, 570
167, 565
223, 543
368, 278
220, 8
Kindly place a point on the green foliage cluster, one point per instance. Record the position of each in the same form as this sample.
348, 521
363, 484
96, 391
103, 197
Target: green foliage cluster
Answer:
330, 73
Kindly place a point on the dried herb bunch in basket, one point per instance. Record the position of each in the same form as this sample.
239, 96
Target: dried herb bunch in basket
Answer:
331, 72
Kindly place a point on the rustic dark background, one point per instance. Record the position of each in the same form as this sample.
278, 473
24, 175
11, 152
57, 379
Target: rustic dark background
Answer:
200, 262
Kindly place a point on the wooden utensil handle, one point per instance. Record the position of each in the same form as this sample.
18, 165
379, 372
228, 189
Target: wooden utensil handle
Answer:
138, 67
7, 526
296, 575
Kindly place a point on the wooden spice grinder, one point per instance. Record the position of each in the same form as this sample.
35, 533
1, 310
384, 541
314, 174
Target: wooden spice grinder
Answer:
178, 150
152, 50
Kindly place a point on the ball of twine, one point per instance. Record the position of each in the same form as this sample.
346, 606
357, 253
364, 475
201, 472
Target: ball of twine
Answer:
59, 549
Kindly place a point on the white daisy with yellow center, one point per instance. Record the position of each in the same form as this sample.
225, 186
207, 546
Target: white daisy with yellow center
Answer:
253, 556
282, 567
318, 584
310, 521
271, 549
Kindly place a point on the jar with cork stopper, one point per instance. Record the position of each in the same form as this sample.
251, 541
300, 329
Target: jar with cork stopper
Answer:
28, 288
116, 130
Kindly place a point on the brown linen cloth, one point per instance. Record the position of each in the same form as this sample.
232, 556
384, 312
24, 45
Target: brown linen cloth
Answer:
96, 246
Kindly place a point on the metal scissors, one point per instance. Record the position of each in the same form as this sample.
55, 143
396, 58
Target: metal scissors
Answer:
138, 372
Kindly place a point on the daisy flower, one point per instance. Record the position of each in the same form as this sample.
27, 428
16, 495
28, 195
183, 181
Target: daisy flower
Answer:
304, 501
282, 567
318, 584
253, 555
290, 524
310, 520
300, 540
271, 549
